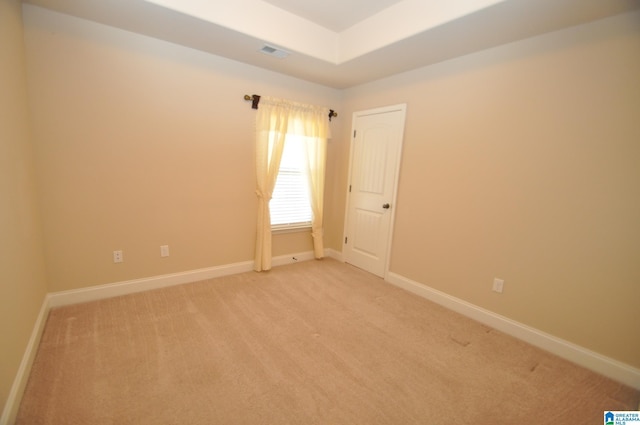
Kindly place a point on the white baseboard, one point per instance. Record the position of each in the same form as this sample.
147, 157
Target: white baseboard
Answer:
598, 363
283, 260
12, 404
332, 253
93, 293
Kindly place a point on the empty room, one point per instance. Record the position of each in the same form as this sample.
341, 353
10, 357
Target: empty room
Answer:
285, 211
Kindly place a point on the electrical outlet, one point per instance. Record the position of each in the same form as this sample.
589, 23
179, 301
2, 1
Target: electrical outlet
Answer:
164, 250
118, 257
498, 285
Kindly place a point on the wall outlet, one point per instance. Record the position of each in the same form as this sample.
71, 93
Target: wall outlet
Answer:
164, 250
118, 257
498, 285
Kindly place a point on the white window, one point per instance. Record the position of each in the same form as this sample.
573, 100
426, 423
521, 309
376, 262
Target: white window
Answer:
290, 204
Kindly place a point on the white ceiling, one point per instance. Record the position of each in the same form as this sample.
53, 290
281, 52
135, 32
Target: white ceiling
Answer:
341, 43
335, 15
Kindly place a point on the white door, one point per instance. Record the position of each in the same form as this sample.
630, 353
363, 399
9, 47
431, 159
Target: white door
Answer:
375, 164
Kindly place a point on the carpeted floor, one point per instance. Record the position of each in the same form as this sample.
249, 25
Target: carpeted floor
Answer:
317, 342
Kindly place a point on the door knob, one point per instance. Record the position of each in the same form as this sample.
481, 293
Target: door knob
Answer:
386, 206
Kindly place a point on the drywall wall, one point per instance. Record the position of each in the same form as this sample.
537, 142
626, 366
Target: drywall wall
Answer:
22, 279
141, 143
523, 163
520, 162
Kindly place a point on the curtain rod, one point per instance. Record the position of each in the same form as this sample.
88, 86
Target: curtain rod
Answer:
255, 99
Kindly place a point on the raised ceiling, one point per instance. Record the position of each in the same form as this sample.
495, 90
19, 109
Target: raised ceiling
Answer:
341, 43
335, 15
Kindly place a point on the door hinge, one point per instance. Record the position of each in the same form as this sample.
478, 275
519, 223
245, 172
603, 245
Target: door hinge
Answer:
349, 188
346, 239
354, 134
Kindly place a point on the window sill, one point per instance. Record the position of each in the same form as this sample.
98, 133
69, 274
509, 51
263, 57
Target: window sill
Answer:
290, 228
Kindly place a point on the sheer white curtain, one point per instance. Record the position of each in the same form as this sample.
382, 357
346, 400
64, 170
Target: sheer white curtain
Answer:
316, 154
276, 119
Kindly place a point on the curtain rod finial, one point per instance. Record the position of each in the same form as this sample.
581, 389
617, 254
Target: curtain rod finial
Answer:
255, 99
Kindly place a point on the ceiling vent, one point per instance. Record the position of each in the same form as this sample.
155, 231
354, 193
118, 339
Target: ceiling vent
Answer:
274, 51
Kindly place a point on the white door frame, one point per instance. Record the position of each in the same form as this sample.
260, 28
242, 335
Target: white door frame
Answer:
381, 110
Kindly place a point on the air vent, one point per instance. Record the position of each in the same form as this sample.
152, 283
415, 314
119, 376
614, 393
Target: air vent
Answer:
274, 51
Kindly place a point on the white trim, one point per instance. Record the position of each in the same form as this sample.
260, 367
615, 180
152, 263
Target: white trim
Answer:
290, 228
16, 392
291, 258
332, 253
93, 293
591, 360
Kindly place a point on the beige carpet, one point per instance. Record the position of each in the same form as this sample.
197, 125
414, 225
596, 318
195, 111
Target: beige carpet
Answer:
318, 342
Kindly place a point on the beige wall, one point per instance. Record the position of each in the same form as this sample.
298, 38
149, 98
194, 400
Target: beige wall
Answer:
142, 143
523, 162
22, 281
